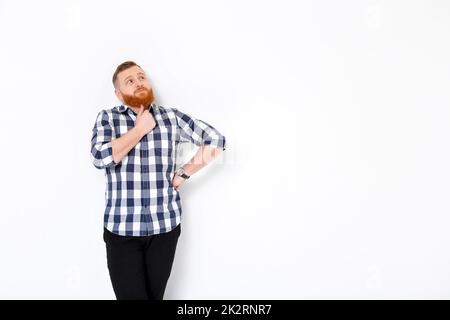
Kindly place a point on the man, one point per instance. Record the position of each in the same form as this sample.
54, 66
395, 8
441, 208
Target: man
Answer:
135, 143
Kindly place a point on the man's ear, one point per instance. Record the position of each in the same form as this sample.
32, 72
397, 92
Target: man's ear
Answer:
118, 94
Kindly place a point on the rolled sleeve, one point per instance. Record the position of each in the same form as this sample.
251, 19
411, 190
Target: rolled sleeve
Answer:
101, 145
198, 131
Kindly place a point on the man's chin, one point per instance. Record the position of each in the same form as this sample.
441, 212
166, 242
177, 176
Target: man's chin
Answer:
139, 99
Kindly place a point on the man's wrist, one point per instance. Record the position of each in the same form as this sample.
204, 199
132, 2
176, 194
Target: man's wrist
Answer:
182, 173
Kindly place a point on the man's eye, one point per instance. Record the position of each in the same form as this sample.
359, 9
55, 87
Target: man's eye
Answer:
129, 81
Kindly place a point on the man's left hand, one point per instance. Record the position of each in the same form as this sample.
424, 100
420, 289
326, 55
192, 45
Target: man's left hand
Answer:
177, 181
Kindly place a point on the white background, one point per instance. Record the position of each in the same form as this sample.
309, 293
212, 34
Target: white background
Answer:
335, 181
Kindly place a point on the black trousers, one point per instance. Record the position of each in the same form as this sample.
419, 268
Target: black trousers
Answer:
139, 267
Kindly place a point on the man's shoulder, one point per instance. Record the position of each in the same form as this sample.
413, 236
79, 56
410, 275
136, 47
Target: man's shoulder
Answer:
167, 113
166, 110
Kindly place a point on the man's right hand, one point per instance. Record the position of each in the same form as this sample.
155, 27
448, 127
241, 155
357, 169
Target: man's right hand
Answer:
145, 121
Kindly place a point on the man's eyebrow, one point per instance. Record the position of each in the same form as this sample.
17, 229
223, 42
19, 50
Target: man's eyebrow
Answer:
131, 76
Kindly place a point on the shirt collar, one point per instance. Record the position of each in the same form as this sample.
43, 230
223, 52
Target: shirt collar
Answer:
123, 108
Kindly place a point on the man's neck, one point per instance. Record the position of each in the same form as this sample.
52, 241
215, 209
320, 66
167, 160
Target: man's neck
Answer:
136, 110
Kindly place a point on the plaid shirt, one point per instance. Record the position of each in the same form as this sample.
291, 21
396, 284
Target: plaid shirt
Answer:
140, 198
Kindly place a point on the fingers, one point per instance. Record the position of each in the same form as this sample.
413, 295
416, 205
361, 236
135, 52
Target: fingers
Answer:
141, 110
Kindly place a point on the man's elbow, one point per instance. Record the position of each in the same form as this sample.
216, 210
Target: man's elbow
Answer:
103, 163
102, 157
212, 148
219, 143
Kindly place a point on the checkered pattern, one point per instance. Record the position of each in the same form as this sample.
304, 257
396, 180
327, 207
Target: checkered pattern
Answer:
140, 198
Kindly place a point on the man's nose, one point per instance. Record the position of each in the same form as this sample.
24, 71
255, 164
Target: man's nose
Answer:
139, 82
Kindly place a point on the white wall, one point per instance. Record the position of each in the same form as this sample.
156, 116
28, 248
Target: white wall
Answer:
335, 182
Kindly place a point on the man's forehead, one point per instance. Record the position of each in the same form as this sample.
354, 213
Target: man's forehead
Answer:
135, 70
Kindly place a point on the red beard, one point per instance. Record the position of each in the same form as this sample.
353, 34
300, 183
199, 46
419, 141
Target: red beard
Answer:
142, 97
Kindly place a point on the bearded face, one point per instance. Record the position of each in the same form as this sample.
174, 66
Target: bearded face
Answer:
142, 96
